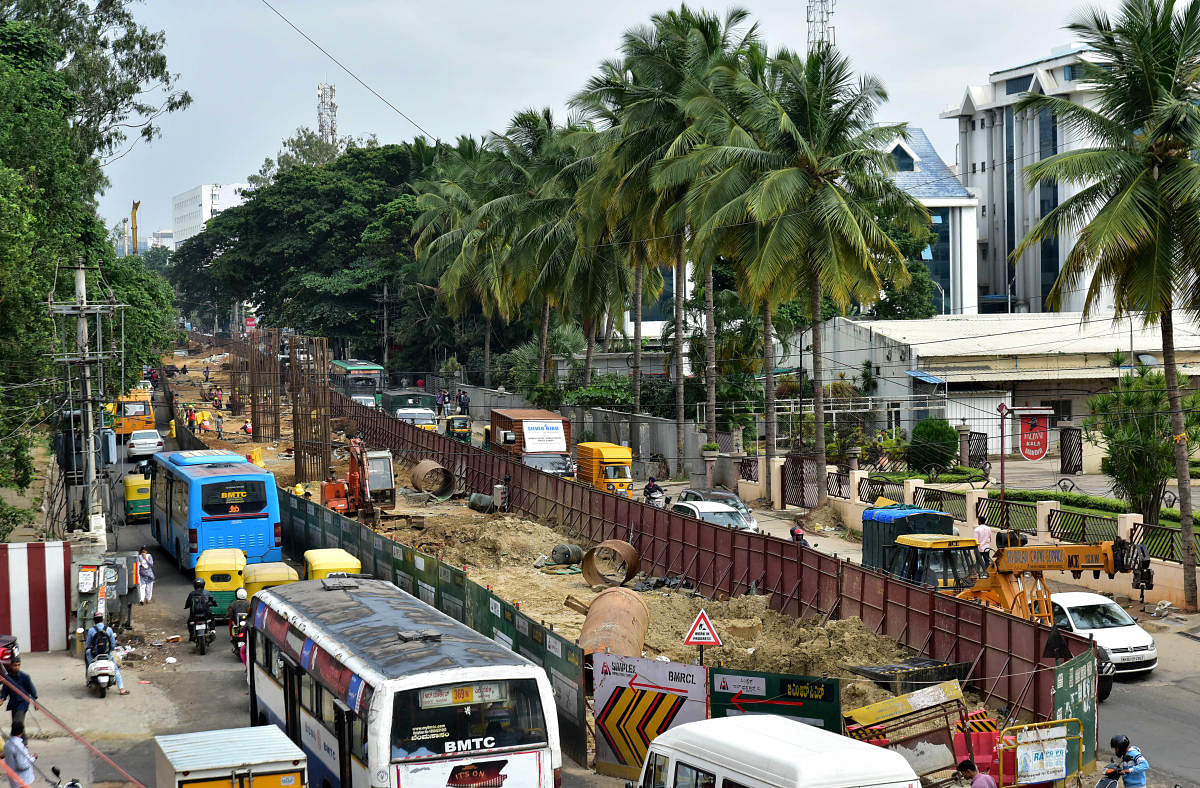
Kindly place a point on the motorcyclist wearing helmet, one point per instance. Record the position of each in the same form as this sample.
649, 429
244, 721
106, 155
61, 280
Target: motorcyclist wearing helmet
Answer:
1134, 766
239, 606
99, 641
199, 604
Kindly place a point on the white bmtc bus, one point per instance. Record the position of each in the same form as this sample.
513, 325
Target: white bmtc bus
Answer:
384, 691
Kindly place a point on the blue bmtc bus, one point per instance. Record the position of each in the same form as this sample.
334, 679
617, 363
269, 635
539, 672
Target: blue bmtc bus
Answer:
383, 691
212, 498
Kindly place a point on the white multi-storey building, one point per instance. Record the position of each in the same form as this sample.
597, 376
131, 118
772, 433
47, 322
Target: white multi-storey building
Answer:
190, 210
995, 143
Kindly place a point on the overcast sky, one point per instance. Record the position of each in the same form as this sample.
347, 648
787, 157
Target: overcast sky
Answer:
464, 66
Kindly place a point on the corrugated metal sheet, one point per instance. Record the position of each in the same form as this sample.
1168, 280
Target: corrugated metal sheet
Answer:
35, 593
228, 749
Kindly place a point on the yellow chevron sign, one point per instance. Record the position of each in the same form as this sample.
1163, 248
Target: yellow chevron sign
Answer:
632, 718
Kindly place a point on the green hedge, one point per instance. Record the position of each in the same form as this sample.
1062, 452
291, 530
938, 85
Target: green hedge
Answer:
1082, 502
959, 474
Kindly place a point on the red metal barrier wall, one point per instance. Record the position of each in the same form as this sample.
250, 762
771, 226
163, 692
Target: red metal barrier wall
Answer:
1005, 653
35, 578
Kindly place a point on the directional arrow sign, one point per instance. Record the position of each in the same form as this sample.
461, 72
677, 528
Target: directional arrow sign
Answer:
702, 633
738, 701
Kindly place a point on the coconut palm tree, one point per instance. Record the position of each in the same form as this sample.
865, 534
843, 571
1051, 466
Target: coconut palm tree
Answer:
1137, 212
640, 99
789, 183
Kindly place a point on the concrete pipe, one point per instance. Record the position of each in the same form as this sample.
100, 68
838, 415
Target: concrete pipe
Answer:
616, 622
428, 476
613, 562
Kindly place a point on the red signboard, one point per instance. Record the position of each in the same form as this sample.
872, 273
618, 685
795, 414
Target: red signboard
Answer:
1035, 435
252, 322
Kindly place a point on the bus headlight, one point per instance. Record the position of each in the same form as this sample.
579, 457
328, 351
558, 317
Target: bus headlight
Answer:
611, 487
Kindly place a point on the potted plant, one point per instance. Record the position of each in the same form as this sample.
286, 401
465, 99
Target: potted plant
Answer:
710, 450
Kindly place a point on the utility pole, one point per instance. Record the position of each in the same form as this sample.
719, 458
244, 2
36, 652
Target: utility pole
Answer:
85, 507
385, 328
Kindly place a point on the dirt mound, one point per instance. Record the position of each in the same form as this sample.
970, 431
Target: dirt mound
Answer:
499, 551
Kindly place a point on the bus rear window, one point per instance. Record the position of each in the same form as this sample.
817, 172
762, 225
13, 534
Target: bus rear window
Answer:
453, 719
233, 497
134, 408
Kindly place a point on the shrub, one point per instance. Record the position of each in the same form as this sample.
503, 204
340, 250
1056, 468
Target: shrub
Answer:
934, 444
606, 391
711, 447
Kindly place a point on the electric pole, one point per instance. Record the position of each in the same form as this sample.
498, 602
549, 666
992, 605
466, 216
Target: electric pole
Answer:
385, 328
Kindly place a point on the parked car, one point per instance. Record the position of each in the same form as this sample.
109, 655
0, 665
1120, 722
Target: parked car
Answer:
715, 513
720, 496
1130, 648
143, 443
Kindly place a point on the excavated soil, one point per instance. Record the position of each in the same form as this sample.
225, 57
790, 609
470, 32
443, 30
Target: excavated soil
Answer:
500, 551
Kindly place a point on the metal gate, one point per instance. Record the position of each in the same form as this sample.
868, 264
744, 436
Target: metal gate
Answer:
800, 480
977, 449
1070, 447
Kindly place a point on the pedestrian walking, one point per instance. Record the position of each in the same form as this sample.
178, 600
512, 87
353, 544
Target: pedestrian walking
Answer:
420, 383
440, 400
218, 397
18, 696
145, 576
449, 400
206, 374
18, 758
464, 403
220, 427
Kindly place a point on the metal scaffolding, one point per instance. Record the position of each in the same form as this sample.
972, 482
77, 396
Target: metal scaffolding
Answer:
308, 372
262, 362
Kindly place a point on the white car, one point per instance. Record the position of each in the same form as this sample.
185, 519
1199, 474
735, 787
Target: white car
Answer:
1130, 648
715, 513
143, 443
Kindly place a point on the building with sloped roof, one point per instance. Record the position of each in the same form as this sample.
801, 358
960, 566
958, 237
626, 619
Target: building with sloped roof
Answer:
952, 258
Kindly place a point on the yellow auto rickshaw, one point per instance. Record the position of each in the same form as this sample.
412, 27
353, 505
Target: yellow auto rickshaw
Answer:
272, 573
328, 561
137, 498
222, 570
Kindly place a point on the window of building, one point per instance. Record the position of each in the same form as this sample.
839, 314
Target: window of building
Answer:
972, 168
937, 254
1018, 84
904, 162
1062, 409
1070, 73
983, 209
1047, 202
972, 125
983, 166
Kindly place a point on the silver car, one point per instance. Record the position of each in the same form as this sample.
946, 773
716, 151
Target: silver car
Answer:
715, 513
143, 443
721, 496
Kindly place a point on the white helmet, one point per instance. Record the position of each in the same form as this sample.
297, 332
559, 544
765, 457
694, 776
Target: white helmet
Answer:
241, 593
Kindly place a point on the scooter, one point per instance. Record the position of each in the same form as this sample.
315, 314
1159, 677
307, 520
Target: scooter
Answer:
657, 499
57, 782
101, 674
1112, 776
238, 635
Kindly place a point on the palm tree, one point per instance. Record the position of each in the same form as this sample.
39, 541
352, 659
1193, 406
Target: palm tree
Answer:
1138, 209
448, 243
789, 184
642, 98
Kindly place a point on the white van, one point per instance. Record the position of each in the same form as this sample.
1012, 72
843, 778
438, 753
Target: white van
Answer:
768, 751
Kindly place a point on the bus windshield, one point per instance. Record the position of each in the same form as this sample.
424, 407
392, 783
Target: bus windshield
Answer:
233, 497
450, 719
371, 382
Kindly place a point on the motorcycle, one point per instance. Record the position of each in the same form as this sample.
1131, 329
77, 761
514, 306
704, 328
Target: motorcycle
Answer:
57, 782
101, 674
1111, 777
201, 627
657, 499
237, 629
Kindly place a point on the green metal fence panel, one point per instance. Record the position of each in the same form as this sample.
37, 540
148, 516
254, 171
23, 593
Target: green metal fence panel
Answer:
314, 531
425, 572
366, 548
348, 538
530, 638
502, 622
1075, 698
382, 547
331, 529
402, 568
452, 592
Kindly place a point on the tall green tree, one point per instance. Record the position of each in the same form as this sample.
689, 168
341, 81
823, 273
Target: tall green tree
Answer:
1133, 424
1137, 208
792, 187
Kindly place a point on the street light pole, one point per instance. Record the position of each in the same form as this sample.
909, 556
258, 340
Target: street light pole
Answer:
943, 292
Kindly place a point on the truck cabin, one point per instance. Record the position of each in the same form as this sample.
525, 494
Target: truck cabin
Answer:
937, 560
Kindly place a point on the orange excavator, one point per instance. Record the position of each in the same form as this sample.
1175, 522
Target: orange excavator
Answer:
347, 495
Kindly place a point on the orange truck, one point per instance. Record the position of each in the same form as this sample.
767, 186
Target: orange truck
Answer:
539, 438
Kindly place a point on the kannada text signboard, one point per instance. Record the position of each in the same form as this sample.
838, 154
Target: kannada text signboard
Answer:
1075, 698
636, 700
815, 701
